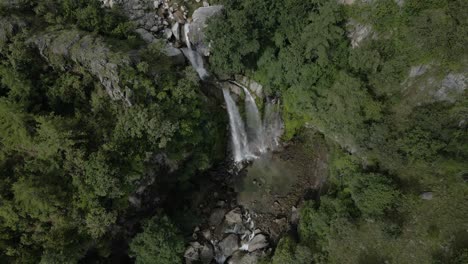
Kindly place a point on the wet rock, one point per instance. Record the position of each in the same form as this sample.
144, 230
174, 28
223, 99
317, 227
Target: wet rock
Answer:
234, 217
206, 254
176, 31
229, 245
258, 242
252, 85
426, 196
217, 216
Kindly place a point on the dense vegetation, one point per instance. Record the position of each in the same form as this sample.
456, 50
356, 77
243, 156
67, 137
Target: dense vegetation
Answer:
92, 119
70, 156
391, 139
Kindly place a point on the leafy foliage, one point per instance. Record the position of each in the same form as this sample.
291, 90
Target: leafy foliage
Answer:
159, 242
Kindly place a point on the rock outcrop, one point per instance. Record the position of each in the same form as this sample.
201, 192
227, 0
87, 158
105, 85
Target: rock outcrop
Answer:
358, 32
198, 25
68, 48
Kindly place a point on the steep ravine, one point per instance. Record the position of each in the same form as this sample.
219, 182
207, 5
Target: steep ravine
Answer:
243, 206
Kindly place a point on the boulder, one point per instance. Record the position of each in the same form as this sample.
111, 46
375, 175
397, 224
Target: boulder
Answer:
192, 254
206, 234
206, 254
145, 35
198, 25
234, 217
258, 242
229, 245
217, 216
175, 54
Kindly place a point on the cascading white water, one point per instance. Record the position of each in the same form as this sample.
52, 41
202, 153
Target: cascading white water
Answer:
240, 144
255, 130
259, 136
193, 56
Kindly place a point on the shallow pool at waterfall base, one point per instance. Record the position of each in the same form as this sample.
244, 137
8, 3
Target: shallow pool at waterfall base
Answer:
267, 177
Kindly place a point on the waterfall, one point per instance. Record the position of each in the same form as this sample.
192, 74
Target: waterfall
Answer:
255, 131
193, 56
240, 144
260, 135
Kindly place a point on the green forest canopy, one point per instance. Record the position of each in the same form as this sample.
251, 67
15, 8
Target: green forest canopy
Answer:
70, 156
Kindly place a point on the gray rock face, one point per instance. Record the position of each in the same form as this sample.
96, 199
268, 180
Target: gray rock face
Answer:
66, 47
229, 245
196, 33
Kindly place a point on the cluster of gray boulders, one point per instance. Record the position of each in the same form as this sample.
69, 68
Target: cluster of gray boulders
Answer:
168, 20
228, 237
157, 19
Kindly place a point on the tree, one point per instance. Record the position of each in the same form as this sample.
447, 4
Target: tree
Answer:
160, 242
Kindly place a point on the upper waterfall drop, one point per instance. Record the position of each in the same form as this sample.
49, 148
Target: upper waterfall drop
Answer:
193, 56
